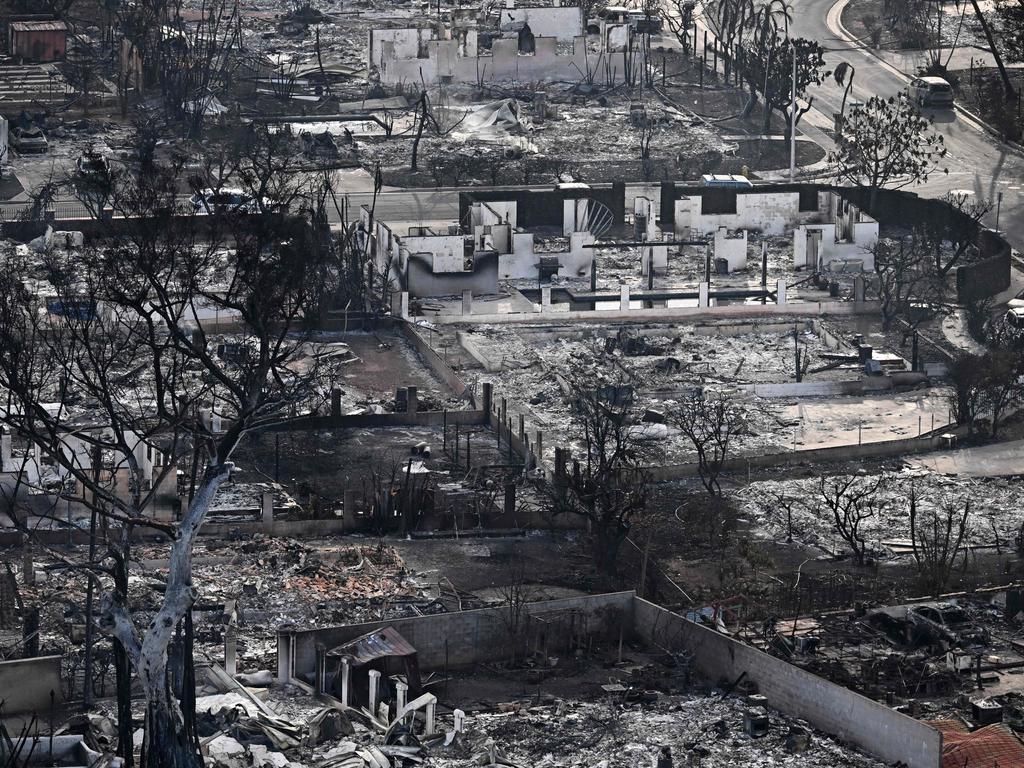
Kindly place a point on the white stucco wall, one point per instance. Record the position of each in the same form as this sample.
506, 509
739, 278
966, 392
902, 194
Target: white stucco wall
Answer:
565, 24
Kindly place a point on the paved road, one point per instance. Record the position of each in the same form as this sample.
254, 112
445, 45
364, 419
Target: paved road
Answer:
975, 160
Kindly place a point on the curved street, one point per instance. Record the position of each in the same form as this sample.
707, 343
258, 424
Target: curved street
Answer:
975, 160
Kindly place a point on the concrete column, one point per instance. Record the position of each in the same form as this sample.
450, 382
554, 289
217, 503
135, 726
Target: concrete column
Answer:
6, 449
401, 696
504, 411
345, 675
467, 302
285, 653
460, 720
545, 299
780, 292
703, 295
510, 499
431, 707
268, 508
349, 508
859, 293
411, 400
336, 402
522, 427
487, 398
624, 298
539, 447
230, 650
374, 676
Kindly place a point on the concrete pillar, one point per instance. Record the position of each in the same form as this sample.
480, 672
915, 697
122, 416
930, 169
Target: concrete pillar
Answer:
345, 675
487, 398
703, 295
411, 400
545, 299
230, 650
268, 508
336, 402
401, 696
510, 498
624, 298
285, 654
504, 411
467, 302
405, 305
431, 707
522, 427
460, 720
780, 292
593, 272
6, 449
349, 508
859, 293
374, 676
539, 447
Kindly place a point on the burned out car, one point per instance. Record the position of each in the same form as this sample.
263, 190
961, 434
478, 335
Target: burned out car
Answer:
946, 624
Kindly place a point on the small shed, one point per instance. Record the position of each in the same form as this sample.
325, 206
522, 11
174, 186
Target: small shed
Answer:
39, 41
384, 650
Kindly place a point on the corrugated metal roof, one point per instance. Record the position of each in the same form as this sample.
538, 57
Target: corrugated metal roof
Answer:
39, 26
374, 645
994, 746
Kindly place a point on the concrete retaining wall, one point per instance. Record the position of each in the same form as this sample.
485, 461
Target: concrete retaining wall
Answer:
437, 364
910, 445
459, 639
819, 388
873, 727
25, 685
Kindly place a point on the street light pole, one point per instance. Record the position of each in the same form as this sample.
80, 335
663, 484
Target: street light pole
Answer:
792, 121
999, 204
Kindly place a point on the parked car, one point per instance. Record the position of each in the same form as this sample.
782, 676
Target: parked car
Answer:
26, 140
930, 92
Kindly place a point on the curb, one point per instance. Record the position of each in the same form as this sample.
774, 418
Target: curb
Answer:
841, 31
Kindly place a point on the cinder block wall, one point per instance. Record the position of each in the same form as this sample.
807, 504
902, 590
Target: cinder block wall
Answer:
464, 637
873, 727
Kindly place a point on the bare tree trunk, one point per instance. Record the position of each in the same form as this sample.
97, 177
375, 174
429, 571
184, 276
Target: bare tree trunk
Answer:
419, 131
1010, 91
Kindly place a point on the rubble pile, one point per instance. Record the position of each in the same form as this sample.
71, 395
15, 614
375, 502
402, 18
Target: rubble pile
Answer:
696, 730
662, 368
278, 581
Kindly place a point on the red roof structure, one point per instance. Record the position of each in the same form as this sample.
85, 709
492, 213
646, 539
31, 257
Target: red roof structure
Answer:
994, 746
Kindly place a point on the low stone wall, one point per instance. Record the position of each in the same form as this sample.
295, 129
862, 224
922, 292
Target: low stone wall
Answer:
437, 364
873, 727
906, 446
